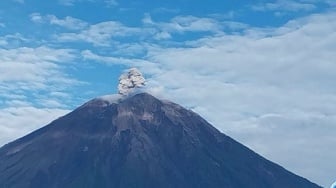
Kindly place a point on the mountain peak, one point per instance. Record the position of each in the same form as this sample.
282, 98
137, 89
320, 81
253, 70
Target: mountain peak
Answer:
136, 141
106, 100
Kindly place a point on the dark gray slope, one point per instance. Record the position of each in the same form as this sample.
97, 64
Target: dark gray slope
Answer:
140, 142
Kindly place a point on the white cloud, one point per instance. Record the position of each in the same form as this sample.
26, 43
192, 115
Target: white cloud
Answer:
151, 68
147, 19
101, 34
32, 88
327, 2
32, 64
68, 22
181, 24
164, 10
162, 35
18, 121
36, 17
17, 103
111, 2
129, 50
67, 2
191, 23
37, 73
73, 2
285, 5
106, 33
3, 42
12, 40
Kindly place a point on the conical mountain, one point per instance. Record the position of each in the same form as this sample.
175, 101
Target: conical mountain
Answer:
137, 142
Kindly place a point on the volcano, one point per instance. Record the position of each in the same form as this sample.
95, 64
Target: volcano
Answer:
136, 142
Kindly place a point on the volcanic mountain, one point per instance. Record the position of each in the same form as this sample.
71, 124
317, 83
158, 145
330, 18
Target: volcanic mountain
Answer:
136, 142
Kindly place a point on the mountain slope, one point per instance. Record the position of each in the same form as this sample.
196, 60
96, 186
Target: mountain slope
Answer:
139, 142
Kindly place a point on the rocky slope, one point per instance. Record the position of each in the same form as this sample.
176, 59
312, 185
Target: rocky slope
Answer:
138, 142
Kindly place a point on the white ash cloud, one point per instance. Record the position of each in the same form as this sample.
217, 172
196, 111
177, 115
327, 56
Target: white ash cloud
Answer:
130, 80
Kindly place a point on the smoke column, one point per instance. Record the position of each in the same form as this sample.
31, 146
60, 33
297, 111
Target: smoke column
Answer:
130, 80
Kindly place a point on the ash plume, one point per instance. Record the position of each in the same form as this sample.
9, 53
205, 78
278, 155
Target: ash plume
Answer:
130, 80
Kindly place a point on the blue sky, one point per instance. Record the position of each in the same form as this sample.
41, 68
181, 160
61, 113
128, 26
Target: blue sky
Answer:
260, 71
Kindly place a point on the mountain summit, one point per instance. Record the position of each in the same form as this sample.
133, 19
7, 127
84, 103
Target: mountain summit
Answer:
136, 142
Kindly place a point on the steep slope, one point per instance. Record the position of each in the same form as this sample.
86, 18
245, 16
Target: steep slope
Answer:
139, 142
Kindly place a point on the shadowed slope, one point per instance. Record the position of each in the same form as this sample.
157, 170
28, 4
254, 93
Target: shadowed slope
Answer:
138, 142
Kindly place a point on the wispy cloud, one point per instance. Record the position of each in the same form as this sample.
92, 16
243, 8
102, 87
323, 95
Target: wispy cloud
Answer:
101, 34
108, 3
68, 22
35, 72
31, 64
166, 10
36, 17
20, 120
106, 33
150, 67
16, 38
181, 24
67, 2
285, 5
111, 2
